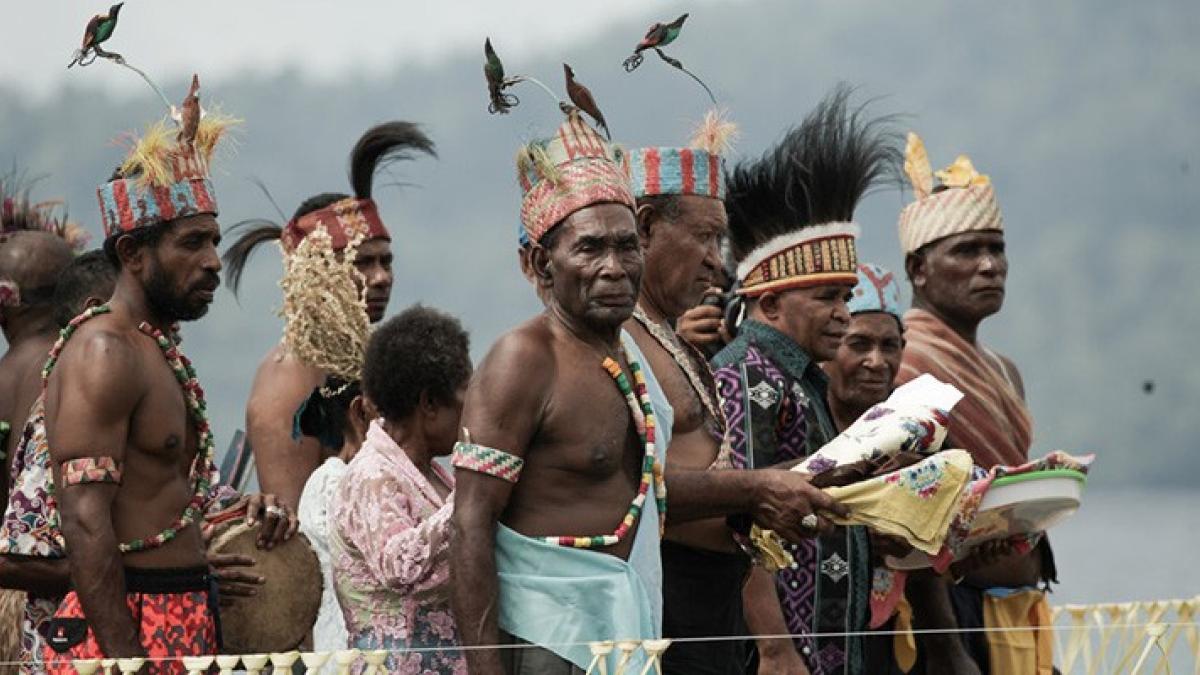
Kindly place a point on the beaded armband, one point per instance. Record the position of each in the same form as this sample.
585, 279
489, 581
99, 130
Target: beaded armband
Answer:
485, 460
91, 470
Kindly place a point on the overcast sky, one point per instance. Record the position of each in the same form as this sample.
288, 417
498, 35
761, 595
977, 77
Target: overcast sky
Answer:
325, 40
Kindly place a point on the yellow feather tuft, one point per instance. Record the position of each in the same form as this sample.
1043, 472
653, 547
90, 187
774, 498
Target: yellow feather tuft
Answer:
212, 128
150, 156
916, 165
715, 133
961, 174
533, 156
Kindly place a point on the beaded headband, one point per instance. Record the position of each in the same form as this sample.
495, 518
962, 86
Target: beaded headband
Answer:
342, 220
813, 256
967, 204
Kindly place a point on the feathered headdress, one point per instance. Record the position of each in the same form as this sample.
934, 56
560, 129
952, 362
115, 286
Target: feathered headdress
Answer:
791, 212
965, 200
19, 213
341, 215
165, 174
569, 171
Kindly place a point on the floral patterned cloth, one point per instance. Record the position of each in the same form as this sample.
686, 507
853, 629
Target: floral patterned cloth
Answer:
773, 395
390, 543
329, 633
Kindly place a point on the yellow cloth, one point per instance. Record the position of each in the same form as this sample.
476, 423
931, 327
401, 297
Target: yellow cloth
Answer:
915, 503
1013, 650
904, 643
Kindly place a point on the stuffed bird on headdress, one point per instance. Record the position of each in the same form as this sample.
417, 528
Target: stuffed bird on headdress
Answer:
582, 97
658, 35
98, 30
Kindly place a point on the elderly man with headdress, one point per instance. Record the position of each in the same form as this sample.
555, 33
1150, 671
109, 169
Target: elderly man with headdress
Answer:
792, 234
681, 221
285, 379
952, 236
561, 490
129, 442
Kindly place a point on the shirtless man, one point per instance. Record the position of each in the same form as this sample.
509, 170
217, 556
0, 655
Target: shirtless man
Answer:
681, 222
30, 261
542, 556
130, 447
285, 459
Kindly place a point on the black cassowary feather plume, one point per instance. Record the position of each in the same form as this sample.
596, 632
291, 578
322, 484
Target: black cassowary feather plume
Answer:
378, 147
815, 175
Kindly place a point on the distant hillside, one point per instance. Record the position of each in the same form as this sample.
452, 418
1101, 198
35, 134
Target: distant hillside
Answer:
1083, 114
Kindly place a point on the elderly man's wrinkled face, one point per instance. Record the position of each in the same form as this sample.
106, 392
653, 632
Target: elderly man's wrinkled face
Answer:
862, 372
591, 264
682, 244
963, 275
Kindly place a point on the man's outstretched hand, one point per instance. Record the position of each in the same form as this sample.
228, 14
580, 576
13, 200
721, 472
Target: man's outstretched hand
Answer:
784, 498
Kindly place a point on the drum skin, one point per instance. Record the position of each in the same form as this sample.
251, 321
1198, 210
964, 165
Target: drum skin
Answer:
282, 613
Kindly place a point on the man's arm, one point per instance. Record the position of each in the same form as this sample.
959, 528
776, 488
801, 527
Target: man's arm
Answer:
764, 616
282, 462
502, 409
42, 576
98, 391
778, 500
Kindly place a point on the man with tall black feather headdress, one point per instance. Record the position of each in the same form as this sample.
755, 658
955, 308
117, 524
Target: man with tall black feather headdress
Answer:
793, 237
337, 281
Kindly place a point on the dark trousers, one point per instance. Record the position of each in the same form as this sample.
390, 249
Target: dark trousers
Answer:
702, 598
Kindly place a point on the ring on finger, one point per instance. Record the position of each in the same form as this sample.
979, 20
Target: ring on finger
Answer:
277, 511
809, 522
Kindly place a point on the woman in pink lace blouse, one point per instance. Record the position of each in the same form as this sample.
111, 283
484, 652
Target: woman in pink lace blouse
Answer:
390, 516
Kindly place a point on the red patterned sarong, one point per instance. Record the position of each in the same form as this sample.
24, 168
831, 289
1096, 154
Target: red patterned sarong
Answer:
176, 610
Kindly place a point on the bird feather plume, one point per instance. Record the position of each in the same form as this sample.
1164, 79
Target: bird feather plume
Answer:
916, 165
715, 133
213, 128
150, 156
961, 174
534, 157
815, 175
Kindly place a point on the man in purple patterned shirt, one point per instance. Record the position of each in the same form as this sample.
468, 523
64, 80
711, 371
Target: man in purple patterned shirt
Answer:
790, 228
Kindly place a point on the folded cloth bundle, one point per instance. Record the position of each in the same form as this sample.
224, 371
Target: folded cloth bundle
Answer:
956, 545
915, 503
912, 419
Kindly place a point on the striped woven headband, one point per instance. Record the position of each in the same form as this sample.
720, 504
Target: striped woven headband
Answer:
342, 220
812, 256
952, 211
675, 171
129, 203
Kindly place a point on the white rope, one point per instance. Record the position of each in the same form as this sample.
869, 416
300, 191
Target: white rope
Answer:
1118, 625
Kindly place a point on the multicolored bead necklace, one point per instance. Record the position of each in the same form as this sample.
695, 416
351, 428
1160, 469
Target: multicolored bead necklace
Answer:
638, 399
202, 466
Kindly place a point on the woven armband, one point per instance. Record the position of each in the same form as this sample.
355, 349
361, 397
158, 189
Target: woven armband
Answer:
485, 460
90, 470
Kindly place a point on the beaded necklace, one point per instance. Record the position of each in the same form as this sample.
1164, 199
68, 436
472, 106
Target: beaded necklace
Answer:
668, 342
201, 469
667, 339
638, 399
